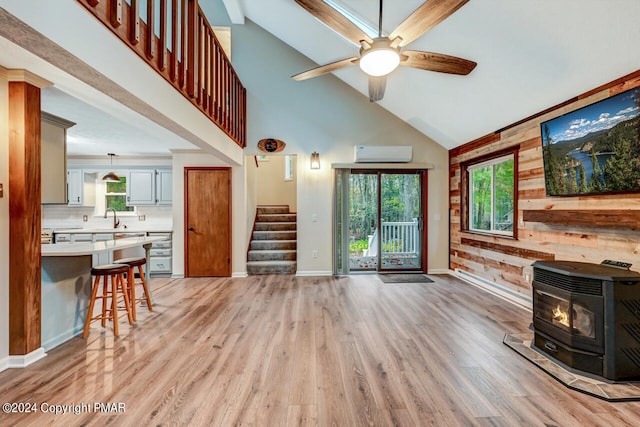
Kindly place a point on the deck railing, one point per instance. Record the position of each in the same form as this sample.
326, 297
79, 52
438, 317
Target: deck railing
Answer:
175, 39
400, 237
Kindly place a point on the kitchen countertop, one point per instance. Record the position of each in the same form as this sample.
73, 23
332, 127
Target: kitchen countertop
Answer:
119, 230
86, 248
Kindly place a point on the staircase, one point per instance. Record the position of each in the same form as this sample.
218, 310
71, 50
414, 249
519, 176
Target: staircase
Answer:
273, 243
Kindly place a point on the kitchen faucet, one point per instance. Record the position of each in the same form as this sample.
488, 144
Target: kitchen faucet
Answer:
116, 221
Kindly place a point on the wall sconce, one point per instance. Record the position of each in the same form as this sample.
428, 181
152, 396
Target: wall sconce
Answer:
315, 160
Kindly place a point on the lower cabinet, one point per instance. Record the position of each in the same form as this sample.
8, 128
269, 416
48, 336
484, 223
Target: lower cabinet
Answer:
160, 255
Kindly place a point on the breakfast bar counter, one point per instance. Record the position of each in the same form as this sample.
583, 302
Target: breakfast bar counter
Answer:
66, 284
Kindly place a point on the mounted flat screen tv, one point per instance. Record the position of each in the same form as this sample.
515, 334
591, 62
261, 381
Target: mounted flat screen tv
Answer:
594, 150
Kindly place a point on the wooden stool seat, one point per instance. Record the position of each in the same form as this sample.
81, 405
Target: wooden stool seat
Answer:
115, 272
108, 269
131, 264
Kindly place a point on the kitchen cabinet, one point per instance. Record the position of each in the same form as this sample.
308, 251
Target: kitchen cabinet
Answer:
53, 137
149, 187
160, 255
81, 188
164, 184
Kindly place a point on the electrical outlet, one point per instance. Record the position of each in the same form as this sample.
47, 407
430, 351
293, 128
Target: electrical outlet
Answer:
314, 217
142, 217
314, 254
85, 218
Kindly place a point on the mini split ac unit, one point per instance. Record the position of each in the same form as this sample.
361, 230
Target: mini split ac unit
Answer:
382, 153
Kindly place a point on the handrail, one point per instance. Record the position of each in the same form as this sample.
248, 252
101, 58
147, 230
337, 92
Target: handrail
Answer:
182, 48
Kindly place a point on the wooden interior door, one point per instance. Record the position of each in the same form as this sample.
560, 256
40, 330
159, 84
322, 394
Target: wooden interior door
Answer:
207, 224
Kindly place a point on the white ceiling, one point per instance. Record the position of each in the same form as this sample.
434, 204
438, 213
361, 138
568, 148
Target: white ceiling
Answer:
531, 55
97, 132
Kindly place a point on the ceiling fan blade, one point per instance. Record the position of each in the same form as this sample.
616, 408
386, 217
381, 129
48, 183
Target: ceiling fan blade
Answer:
377, 86
436, 62
324, 69
424, 18
335, 20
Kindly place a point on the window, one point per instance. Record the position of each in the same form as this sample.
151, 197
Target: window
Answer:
491, 190
288, 168
115, 196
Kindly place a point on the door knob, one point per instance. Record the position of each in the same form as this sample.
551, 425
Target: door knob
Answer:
191, 229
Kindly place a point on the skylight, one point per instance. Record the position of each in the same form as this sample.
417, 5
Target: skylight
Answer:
370, 30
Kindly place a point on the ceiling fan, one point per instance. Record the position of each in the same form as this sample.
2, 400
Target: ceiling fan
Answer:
381, 55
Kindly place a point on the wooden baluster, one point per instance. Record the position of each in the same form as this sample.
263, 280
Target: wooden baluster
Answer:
191, 54
183, 45
212, 77
150, 48
218, 113
162, 44
115, 13
134, 23
173, 57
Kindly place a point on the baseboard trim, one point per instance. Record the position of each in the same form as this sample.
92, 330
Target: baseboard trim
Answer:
313, 273
239, 274
439, 271
22, 361
62, 338
500, 291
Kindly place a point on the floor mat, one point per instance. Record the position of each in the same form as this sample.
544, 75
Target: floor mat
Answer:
404, 278
617, 392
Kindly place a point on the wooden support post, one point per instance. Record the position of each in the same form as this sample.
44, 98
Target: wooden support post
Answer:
24, 212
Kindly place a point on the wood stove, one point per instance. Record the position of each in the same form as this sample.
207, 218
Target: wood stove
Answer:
587, 316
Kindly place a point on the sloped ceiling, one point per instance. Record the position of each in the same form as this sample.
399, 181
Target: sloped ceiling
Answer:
531, 55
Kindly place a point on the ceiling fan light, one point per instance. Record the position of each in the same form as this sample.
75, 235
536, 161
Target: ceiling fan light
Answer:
379, 62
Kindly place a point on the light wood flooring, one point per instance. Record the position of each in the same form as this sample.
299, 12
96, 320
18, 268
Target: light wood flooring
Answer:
282, 350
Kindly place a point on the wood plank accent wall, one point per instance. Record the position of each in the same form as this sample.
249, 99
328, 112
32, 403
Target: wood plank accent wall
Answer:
25, 218
582, 228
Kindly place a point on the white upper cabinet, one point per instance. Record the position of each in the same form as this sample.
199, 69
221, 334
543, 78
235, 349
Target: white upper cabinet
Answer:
163, 187
149, 187
81, 188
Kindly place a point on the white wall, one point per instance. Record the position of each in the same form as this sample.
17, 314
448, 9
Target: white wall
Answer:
182, 159
272, 187
4, 221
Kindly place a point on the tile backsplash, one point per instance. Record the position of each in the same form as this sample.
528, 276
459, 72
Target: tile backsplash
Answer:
62, 216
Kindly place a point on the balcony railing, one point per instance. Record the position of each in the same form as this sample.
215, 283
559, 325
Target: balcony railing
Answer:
175, 39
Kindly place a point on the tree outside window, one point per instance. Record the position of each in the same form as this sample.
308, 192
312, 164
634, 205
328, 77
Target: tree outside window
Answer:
116, 196
491, 198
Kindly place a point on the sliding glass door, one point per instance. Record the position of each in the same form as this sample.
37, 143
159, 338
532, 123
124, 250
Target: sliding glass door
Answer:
378, 217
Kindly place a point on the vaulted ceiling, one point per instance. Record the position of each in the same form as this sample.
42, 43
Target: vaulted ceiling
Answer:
531, 55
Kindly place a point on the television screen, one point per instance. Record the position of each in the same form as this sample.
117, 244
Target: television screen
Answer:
594, 150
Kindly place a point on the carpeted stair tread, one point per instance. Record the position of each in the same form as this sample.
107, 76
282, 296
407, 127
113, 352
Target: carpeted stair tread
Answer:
276, 218
272, 255
274, 235
273, 209
275, 226
271, 267
273, 244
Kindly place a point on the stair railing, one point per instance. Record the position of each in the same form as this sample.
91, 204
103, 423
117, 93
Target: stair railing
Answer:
176, 40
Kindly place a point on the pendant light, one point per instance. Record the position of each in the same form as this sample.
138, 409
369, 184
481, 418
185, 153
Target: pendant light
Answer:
111, 176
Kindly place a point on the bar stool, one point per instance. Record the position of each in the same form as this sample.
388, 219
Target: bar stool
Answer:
115, 272
132, 263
